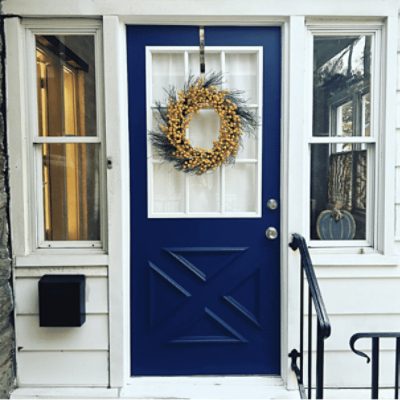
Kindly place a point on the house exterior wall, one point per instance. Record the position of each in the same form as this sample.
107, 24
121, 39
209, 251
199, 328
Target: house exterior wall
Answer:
358, 297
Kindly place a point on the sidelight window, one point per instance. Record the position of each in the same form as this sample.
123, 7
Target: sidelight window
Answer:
344, 141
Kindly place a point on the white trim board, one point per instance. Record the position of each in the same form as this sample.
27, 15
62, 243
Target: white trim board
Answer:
191, 10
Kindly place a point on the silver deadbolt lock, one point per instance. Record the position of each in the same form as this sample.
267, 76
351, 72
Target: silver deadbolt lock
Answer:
272, 204
271, 233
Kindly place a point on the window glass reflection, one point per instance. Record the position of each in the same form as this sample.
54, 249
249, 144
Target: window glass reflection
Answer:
338, 192
66, 85
341, 109
67, 108
341, 90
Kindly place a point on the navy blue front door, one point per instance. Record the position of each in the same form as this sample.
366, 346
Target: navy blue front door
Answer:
205, 292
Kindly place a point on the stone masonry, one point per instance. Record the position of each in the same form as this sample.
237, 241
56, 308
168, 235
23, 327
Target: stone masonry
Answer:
7, 363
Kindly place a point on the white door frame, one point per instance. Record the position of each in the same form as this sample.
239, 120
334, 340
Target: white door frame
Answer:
117, 127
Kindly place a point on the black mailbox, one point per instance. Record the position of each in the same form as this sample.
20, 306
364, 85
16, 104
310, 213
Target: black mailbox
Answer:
62, 300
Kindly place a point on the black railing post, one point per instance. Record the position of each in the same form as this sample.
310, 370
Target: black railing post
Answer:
320, 365
375, 367
309, 349
314, 297
301, 324
396, 379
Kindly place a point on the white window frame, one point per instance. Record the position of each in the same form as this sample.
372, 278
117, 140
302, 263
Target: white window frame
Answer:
36, 240
150, 106
375, 142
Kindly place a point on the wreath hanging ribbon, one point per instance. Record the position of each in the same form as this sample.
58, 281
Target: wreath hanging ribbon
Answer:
202, 93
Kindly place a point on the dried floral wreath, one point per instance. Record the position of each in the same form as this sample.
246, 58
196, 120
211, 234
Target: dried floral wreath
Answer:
201, 93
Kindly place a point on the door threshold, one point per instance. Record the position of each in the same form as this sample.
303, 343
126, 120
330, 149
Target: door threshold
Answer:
246, 387
208, 387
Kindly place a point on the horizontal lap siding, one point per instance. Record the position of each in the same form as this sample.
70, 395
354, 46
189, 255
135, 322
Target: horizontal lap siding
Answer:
344, 326
75, 356
92, 335
360, 296
359, 304
67, 368
344, 369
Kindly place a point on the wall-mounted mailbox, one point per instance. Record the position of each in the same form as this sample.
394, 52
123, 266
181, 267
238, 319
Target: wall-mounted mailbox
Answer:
62, 300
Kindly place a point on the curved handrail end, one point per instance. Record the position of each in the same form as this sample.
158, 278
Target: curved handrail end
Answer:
295, 243
326, 329
353, 339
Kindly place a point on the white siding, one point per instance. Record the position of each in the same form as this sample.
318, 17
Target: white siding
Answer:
62, 356
68, 368
359, 305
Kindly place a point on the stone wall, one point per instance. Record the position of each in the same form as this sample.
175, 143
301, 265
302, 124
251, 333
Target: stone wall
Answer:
7, 363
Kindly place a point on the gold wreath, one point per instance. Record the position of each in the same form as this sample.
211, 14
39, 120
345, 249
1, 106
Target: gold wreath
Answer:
180, 112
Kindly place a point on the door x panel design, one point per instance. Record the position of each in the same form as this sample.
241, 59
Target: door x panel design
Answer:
190, 309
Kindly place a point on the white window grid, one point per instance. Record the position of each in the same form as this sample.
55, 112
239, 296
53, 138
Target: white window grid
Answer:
222, 51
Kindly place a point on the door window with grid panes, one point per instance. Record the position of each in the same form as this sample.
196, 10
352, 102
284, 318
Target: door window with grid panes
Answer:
231, 190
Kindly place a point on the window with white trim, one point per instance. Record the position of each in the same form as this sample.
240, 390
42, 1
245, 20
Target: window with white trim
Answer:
67, 151
343, 145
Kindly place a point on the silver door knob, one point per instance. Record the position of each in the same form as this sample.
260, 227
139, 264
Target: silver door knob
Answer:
272, 204
271, 233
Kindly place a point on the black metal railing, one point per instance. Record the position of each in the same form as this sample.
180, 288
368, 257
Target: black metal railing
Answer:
375, 338
323, 326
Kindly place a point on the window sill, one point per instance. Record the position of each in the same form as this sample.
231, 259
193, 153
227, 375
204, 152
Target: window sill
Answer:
61, 259
334, 259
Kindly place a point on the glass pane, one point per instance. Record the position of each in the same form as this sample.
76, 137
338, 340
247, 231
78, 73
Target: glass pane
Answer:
249, 145
203, 129
204, 192
366, 114
168, 70
155, 121
168, 189
338, 192
241, 187
342, 81
71, 200
241, 74
212, 60
344, 118
66, 85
